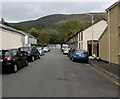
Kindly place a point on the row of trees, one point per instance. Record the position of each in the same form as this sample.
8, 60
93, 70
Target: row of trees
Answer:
57, 35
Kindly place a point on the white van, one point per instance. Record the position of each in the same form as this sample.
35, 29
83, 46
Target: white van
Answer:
64, 46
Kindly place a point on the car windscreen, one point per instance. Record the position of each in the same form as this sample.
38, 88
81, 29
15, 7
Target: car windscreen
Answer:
26, 49
82, 52
45, 48
39, 48
65, 47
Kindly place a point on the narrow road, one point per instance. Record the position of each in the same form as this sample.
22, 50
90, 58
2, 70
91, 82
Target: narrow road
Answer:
55, 75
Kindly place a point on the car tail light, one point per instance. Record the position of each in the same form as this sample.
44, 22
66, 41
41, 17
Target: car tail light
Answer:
9, 58
29, 52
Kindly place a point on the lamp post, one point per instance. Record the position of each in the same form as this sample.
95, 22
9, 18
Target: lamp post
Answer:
92, 21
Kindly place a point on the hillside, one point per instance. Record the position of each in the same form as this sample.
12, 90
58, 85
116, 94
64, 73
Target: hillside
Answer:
57, 28
51, 21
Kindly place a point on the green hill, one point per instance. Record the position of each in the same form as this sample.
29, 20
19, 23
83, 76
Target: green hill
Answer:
51, 21
57, 28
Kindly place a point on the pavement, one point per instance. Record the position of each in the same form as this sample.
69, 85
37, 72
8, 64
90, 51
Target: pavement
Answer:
111, 69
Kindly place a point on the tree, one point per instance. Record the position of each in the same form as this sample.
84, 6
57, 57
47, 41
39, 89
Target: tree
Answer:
34, 32
70, 27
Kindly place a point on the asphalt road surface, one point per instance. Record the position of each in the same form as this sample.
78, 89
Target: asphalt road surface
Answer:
55, 75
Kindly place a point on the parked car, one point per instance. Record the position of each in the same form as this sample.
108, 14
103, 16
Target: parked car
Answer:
66, 50
79, 55
63, 47
13, 59
31, 52
40, 49
46, 49
70, 52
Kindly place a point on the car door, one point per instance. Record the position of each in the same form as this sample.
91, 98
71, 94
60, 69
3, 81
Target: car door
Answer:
36, 52
21, 58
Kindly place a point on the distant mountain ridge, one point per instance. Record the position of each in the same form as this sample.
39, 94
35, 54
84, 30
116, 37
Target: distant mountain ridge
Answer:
51, 21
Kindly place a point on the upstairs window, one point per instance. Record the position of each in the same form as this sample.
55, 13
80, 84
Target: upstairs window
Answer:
119, 45
81, 36
119, 16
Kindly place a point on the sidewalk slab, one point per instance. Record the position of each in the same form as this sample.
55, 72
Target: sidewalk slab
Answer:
112, 69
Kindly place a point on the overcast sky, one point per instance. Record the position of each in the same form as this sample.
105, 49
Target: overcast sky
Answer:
24, 11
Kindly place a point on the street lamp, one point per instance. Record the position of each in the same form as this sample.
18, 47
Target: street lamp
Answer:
92, 21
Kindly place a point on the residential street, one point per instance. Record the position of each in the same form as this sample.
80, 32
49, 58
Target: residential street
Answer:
55, 75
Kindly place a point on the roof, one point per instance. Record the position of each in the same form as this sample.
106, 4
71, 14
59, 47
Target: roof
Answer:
112, 6
15, 30
9, 29
84, 29
25, 33
103, 32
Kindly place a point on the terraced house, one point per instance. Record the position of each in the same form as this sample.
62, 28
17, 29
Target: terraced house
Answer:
12, 38
109, 41
83, 39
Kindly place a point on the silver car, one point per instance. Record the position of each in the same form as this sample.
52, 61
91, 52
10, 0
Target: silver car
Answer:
40, 49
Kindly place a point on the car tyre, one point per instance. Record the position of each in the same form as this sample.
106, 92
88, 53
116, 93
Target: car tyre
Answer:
26, 63
73, 59
33, 59
38, 56
15, 68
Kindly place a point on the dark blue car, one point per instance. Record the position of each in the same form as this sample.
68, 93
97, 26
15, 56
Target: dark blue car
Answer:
79, 55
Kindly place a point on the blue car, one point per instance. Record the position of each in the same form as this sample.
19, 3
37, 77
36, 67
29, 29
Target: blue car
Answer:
79, 55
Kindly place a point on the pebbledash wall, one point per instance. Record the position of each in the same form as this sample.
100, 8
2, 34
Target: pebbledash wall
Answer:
109, 42
10, 39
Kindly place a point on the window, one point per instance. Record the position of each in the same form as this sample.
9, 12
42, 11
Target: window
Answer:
119, 15
81, 36
119, 44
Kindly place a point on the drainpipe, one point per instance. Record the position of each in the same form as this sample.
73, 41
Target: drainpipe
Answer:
109, 36
78, 40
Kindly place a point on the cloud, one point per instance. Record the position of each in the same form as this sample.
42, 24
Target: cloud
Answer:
21, 11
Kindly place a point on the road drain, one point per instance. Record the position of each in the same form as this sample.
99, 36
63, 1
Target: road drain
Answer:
61, 79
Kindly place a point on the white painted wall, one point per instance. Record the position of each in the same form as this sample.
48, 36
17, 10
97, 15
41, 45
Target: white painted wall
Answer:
98, 29
26, 39
11, 39
0, 39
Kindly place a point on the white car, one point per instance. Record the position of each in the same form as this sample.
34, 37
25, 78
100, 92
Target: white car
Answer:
63, 47
40, 51
46, 49
66, 50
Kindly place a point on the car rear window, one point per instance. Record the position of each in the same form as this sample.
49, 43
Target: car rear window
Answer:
13, 52
26, 49
5, 53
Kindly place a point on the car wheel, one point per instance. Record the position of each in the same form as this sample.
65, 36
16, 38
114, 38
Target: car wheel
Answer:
33, 58
38, 56
15, 68
26, 63
72, 59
